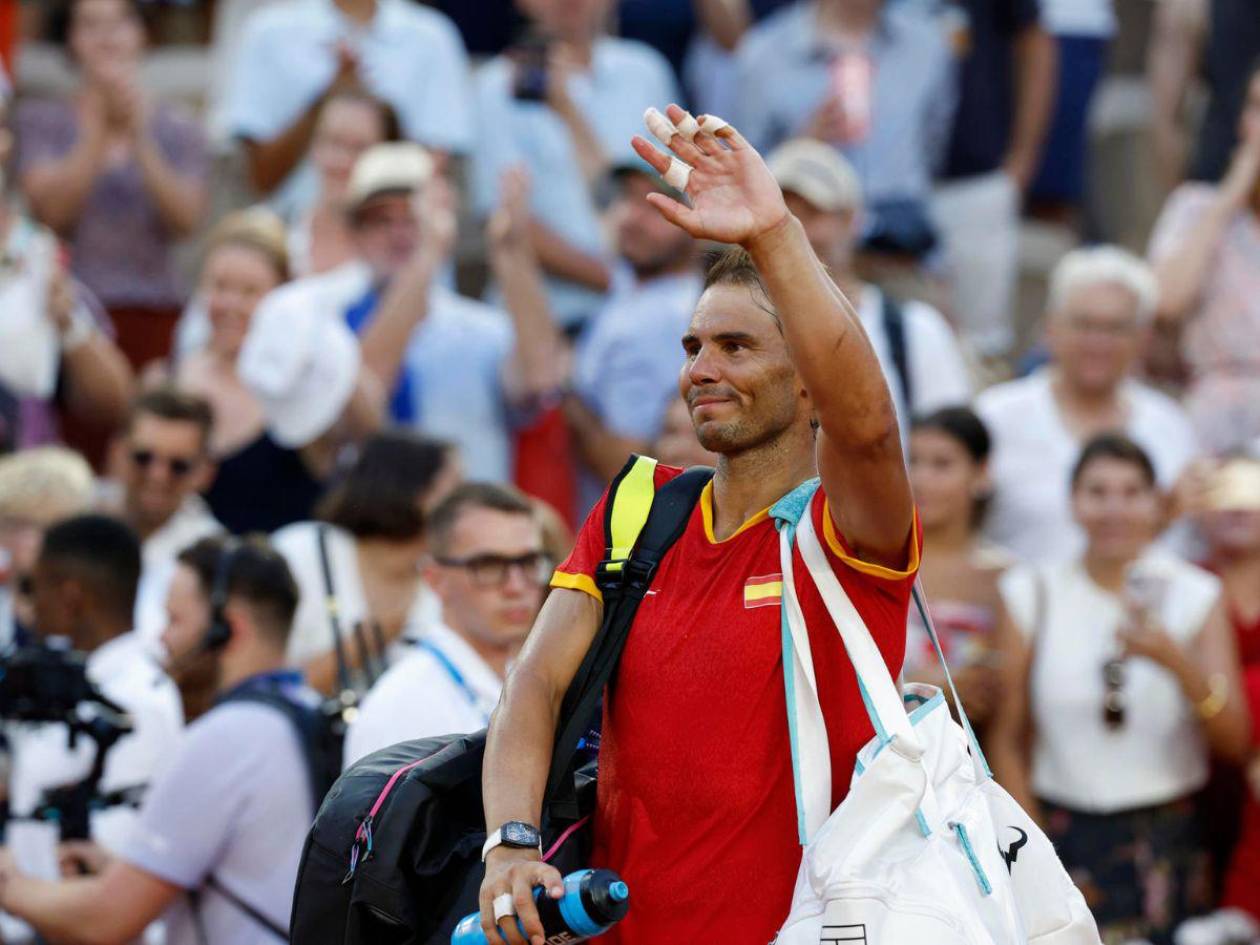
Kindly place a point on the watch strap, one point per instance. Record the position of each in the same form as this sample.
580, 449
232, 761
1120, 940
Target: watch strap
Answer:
496, 840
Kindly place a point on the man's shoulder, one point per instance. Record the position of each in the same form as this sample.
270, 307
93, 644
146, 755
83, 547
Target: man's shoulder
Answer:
1155, 404
277, 20
1000, 401
631, 57
416, 679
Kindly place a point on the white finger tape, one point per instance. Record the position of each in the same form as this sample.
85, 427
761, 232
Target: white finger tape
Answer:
688, 127
662, 128
711, 124
503, 906
677, 174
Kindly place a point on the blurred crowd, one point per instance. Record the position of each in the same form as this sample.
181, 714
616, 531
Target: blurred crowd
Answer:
329, 349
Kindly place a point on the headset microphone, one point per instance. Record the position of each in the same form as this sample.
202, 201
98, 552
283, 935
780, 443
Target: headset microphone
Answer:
220, 631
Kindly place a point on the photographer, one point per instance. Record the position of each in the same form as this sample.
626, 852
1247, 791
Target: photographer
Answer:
83, 588
217, 842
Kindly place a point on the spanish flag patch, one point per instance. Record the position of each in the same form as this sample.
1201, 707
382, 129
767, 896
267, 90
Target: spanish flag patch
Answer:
763, 591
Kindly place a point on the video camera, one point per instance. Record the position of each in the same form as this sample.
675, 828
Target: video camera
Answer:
47, 683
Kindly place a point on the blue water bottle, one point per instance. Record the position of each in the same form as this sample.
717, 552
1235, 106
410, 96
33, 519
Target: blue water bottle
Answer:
593, 901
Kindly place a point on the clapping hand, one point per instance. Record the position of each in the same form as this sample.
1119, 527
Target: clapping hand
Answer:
734, 197
1143, 635
508, 228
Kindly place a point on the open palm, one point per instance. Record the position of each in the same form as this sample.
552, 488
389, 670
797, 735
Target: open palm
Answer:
734, 197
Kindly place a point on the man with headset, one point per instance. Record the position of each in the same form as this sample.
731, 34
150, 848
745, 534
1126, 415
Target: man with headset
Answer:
219, 836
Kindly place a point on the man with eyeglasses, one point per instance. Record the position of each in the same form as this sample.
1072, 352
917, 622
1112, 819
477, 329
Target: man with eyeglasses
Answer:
488, 568
165, 464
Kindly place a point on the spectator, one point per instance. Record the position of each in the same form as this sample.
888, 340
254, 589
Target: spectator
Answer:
54, 349
875, 81
460, 365
674, 29
626, 365
1207, 258
364, 553
38, 487
163, 462
297, 55
1231, 523
217, 840
259, 485
913, 342
487, 566
1082, 31
949, 452
119, 175
565, 106
349, 124
1122, 665
1006, 87
678, 445
83, 587
1099, 304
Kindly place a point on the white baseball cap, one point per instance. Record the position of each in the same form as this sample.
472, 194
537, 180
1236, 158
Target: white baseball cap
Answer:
817, 172
389, 167
302, 361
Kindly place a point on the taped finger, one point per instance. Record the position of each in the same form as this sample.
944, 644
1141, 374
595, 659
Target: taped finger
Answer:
662, 128
688, 127
503, 906
677, 174
712, 125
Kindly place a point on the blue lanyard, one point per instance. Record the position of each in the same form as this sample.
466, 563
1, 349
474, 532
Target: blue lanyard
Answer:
456, 676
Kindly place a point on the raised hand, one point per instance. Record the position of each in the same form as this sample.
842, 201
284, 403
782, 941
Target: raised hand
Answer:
734, 197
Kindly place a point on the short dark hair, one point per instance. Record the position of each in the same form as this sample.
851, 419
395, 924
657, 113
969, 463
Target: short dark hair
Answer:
473, 495
256, 573
734, 266
1115, 446
963, 425
170, 402
378, 498
101, 553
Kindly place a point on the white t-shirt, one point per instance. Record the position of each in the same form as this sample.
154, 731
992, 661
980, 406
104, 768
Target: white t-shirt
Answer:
1089, 18
159, 554
233, 803
1158, 754
312, 633
442, 687
126, 673
1033, 455
938, 373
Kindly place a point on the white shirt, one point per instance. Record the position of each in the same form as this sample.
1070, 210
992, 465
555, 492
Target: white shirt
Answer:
159, 553
410, 56
312, 634
125, 672
29, 348
1158, 754
234, 802
442, 687
1091, 18
1033, 455
938, 373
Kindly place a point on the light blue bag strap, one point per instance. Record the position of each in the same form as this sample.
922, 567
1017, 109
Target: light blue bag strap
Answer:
983, 771
786, 514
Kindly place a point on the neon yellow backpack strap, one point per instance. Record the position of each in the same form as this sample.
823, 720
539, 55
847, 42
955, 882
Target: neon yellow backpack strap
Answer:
629, 502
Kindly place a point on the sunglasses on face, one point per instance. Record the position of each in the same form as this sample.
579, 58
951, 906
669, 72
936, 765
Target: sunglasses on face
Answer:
179, 466
492, 570
1113, 693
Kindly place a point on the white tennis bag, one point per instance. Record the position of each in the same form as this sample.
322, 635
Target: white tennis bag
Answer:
926, 849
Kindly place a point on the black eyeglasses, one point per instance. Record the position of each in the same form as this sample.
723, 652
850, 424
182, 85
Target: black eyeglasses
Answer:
492, 570
178, 465
1114, 672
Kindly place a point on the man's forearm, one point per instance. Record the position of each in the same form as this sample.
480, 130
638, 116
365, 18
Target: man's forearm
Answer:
1036, 60
65, 911
537, 349
564, 260
180, 201
403, 307
270, 162
518, 752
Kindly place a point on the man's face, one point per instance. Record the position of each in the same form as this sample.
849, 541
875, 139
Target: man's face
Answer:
187, 620
166, 462
386, 232
56, 600
645, 239
738, 380
1096, 337
491, 577
832, 235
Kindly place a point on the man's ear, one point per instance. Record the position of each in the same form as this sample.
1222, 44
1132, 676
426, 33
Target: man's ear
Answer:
240, 621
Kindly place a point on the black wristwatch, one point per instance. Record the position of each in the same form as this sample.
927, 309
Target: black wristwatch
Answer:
513, 834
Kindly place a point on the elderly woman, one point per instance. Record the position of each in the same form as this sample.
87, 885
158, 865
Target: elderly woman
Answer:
260, 485
120, 176
1121, 679
1100, 303
1206, 250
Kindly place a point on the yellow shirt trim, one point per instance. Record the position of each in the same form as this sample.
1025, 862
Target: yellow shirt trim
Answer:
577, 582
866, 567
754, 592
706, 512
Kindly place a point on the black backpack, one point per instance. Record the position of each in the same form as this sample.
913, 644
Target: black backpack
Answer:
394, 855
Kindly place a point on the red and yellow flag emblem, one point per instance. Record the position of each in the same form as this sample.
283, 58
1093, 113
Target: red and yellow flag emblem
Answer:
765, 590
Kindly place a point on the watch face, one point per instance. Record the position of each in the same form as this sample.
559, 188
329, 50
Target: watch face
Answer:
520, 835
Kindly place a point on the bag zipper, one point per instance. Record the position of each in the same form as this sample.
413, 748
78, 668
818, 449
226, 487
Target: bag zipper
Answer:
361, 848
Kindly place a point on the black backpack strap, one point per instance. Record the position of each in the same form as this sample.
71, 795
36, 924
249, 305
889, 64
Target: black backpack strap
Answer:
331, 607
212, 882
894, 319
670, 510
